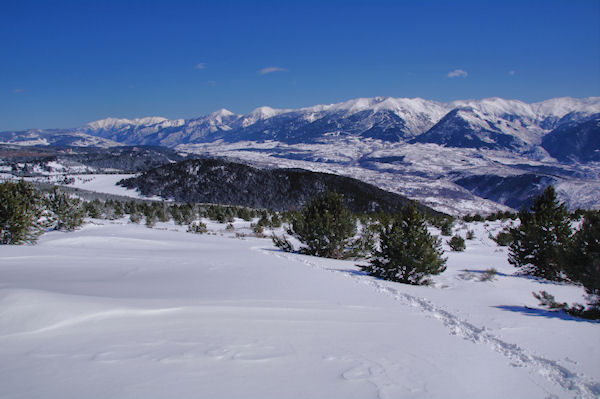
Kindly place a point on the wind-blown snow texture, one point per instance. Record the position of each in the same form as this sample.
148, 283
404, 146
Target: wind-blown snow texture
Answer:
415, 147
117, 310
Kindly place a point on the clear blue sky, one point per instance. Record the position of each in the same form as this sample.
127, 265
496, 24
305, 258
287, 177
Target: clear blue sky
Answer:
65, 63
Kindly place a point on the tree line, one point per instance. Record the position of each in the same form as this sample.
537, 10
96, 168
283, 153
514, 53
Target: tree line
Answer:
548, 243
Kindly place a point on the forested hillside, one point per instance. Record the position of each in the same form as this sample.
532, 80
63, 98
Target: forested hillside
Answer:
223, 182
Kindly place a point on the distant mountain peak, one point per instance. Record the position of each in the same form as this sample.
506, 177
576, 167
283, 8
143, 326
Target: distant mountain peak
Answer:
221, 113
111, 123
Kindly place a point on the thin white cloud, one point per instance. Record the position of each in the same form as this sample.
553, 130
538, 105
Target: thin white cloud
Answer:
200, 65
17, 91
211, 83
267, 70
512, 72
457, 73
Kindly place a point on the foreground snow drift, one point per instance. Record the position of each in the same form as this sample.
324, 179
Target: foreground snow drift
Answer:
120, 310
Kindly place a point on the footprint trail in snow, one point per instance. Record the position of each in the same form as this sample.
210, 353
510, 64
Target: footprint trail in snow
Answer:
580, 385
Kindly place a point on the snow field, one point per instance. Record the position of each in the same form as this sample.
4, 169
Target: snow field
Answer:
119, 310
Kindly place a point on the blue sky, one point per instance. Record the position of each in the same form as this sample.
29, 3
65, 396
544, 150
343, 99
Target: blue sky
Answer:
65, 63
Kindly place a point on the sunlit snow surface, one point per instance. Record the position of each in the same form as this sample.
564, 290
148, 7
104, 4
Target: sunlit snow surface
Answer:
118, 310
99, 183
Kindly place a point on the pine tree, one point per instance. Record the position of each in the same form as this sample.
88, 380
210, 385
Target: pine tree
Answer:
325, 226
446, 227
457, 243
94, 208
68, 211
408, 252
540, 241
21, 213
275, 220
584, 258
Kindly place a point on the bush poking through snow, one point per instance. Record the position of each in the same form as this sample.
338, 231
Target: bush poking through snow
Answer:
408, 252
457, 243
470, 234
282, 243
489, 275
197, 228
547, 301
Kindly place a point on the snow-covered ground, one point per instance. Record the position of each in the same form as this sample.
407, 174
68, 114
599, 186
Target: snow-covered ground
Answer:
96, 182
105, 183
118, 310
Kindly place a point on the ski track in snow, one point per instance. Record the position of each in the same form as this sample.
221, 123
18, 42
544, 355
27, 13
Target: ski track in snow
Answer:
579, 384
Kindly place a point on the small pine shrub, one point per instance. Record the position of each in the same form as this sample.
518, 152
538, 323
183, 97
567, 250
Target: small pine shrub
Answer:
457, 243
446, 227
264, 220
282, 243
244, 214
21, 213
503, 238
325, 226
135, 218
258, 229
150, 217
470, 234
161, 212
197, 228
94, 209
408, 253
275, 221
548, 301
68, 212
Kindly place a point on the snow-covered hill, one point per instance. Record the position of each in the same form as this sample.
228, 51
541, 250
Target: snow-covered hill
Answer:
117, 310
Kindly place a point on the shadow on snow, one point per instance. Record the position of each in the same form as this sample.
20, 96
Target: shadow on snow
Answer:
551, 314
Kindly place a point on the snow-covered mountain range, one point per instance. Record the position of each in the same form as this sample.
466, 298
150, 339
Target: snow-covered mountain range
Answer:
442, 153
489, 123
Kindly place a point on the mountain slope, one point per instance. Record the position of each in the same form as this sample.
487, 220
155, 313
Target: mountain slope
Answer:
578, 142
468, 127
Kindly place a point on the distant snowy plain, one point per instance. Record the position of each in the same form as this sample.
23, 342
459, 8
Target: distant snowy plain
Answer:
118, 310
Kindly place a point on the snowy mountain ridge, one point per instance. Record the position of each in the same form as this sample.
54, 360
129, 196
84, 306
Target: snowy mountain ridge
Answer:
385, 118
